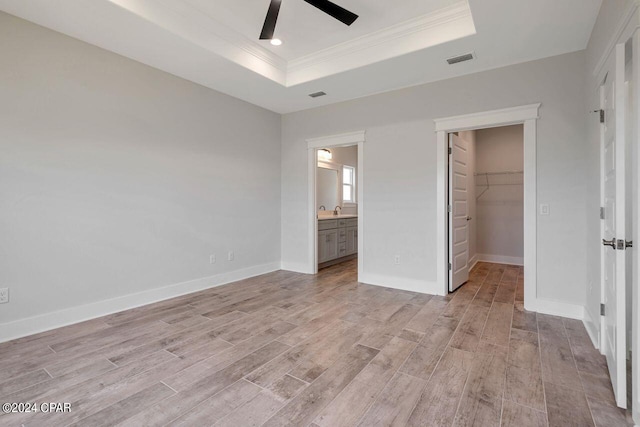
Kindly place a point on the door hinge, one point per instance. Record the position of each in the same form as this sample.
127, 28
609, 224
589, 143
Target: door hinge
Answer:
448, 208
450, 150
601, 213
602, 310
449, 266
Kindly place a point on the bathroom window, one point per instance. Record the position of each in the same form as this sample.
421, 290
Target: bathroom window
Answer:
348, 184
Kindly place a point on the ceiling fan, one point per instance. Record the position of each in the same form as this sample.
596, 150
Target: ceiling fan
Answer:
340, 13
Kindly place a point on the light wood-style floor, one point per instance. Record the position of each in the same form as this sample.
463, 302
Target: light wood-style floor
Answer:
291, 349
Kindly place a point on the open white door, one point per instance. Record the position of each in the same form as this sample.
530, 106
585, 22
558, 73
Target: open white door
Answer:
458, 212
613, 229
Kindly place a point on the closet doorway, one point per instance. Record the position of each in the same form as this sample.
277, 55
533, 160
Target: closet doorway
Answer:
485, 200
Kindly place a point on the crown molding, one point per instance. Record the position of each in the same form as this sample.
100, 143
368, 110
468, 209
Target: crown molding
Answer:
408, 36
457, 11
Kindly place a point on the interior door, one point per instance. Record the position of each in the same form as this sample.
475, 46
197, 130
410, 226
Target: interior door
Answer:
458, 212
613, 229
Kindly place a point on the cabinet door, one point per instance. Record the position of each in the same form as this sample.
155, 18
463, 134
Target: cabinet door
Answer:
352, 240
332, 245
322, 246
327, 245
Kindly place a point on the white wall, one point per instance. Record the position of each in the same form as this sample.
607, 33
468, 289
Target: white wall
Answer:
116, 178
400, 170
500, 209
611, 13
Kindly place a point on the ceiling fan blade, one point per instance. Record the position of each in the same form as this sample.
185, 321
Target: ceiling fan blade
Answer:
340, 13
269, 26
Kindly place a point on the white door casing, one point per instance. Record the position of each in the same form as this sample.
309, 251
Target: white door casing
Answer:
613, 229
458, 212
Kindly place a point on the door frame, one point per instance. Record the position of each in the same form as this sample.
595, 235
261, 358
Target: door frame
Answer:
528, 116
313, 145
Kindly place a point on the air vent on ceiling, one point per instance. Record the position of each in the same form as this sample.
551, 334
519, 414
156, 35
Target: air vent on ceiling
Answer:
317, 94
461, 58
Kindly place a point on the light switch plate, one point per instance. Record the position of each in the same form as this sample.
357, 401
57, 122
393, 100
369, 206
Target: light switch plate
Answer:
544, 209
4, 295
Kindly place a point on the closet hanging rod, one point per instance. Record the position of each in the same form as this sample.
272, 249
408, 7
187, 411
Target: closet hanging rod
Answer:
498, 173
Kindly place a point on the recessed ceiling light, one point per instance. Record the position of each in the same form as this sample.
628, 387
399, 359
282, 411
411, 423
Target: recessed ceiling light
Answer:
276, 42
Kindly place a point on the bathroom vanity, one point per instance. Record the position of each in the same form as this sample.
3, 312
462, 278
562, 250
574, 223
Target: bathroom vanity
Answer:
337, 239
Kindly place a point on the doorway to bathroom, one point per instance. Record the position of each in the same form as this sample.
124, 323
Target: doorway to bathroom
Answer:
336, 201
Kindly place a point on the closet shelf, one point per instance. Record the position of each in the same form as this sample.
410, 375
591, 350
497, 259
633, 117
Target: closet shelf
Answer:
508, 178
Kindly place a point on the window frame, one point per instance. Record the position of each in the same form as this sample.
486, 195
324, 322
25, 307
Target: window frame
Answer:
353, 199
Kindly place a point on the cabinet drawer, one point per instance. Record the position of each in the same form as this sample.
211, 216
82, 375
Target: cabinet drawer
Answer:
352, 222
342, 235
342, 222
342, 249
327, 224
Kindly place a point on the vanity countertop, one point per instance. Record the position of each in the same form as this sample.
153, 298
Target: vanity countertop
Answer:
326, 217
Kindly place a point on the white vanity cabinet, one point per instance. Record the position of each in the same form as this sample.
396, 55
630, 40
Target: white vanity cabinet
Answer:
337, 239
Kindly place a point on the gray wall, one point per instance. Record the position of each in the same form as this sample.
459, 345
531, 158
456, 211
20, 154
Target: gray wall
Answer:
117, 178
400, 169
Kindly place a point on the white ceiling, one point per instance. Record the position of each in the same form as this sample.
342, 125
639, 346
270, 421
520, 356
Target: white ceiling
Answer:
215, 42
305, 29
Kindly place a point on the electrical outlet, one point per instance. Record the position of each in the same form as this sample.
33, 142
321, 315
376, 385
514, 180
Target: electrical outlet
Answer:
212, 259
544, 209
397, 259
230, 256
4, 295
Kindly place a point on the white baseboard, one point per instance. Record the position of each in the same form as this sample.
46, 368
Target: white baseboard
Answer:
296, 267
36, 324
473, 261
592, 328
412, 285
557, 308
500, 259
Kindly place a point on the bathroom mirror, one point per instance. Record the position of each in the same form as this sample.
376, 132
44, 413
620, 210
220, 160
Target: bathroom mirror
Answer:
328, 187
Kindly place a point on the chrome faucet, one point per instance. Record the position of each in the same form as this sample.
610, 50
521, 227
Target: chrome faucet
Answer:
322, 208
335, 211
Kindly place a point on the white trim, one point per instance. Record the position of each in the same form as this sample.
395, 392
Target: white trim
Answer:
473, 261
527, 115
44, 322
557, 308
635, 294
295, 267
530, 213
488, 119
500, 259
350, 138
313, 144
623, 27
404, 284
591, 327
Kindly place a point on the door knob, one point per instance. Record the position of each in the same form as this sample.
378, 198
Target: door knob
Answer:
469, 218
611, 243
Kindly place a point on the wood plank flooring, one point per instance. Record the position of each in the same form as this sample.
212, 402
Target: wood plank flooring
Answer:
287, 349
